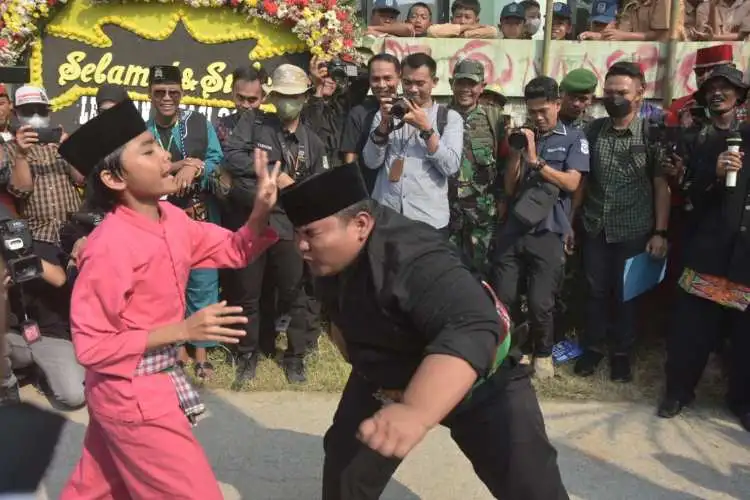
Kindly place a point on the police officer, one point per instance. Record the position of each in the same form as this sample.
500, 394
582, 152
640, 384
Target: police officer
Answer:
578, 88
421, 335
283, 303
543, 169
472, 191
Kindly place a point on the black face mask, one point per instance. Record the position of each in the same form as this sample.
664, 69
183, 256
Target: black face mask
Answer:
617, 106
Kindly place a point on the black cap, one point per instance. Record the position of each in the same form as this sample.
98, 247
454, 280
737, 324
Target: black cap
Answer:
728, 73
112, 93
324, 194
164, 74
102, 135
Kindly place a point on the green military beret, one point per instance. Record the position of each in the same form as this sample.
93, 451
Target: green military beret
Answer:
579, 81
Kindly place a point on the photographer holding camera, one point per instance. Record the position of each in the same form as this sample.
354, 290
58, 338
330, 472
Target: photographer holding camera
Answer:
415, 145
40, 317
543, 169
42, 182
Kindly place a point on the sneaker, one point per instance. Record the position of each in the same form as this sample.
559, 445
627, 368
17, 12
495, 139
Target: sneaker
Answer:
587, 363
247, 365
9, 395
295, 371
670, 407
619, 368
544, 368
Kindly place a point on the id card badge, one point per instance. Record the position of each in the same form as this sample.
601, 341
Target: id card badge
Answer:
397, 169
30, 331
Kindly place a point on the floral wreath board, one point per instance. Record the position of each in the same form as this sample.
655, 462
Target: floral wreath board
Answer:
324, 28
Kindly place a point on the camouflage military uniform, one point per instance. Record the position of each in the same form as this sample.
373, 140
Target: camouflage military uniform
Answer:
473, 190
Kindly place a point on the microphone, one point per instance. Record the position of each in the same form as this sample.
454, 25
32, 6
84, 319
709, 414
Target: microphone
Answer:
734, 142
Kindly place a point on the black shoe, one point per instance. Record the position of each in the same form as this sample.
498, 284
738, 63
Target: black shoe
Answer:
670, 407
587, 363
247, 365
10, 396
619, 368
295, 371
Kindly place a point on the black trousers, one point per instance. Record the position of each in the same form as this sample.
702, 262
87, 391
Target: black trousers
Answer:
608, 317
269, 287
500, 430
697, 328
539, 260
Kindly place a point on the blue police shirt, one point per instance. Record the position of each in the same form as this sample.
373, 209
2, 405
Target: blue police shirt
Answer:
564, 149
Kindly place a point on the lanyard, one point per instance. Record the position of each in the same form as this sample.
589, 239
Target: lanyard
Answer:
293, 163
180, 125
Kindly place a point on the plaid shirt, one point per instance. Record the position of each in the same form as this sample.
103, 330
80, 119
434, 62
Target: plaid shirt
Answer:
620, 193
54, 196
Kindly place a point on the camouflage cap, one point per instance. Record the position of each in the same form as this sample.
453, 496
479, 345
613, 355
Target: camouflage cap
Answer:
579, 81
288, 79
469, 69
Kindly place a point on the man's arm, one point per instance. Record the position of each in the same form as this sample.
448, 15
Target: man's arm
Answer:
21, 183
662, 203
238, 162
576, 163
394, 29
374, 154
444, 152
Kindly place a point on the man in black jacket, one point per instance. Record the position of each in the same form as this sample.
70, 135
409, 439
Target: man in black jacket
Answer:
426, 344
714, 286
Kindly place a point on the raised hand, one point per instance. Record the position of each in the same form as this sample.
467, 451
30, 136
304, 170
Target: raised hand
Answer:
268, 183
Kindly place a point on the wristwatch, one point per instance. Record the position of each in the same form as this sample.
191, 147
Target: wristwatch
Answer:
426, 134
660, 232
538, 165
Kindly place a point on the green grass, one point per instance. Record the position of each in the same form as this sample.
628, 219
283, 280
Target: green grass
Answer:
328, 372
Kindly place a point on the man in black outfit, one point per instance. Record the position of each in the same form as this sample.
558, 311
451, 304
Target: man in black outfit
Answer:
426, 344
273, 284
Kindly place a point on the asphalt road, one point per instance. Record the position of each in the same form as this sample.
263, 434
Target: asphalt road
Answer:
268, 446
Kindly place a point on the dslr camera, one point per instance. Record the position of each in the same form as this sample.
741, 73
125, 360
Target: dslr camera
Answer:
517, 139
79, 224
344, 72
18, 251
665, 136
400, 107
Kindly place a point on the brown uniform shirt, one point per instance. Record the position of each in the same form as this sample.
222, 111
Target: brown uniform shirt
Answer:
729, 17
642, 16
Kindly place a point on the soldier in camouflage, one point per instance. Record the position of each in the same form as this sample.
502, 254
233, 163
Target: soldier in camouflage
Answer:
473, 192
578, 88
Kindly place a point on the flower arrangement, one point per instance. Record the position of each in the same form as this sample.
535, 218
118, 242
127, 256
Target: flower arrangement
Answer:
329, 28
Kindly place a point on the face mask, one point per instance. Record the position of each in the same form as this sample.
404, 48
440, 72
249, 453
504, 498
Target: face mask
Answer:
532, 25
34, 121
617, 106
288, 108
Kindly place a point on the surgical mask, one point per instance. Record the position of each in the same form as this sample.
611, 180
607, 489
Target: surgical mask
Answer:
34, 121
617, 106
288, 108
532, 25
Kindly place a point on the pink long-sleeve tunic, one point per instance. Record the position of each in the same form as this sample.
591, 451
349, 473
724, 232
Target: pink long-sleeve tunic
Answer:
133, 274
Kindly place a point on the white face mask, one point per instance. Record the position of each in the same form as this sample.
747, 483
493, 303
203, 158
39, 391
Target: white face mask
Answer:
34, 121
532, 25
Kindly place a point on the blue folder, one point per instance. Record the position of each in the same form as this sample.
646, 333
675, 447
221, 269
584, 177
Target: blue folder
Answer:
642, 273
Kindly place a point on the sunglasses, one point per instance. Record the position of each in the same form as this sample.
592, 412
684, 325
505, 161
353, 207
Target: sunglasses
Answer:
162, 93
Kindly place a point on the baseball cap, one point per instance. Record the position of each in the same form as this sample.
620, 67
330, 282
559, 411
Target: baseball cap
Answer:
603, 11
288, 79
31, 95
386, 5
512, 10
560, 9
469, 69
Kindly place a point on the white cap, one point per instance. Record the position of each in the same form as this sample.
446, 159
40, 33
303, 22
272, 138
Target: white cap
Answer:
31, 95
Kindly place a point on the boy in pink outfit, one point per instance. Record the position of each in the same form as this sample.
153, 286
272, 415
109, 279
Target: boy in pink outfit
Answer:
128, 309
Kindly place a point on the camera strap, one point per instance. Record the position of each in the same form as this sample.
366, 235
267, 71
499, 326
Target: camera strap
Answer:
295, 163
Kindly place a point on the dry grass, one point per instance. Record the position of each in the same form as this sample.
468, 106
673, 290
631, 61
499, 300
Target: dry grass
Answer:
327, 372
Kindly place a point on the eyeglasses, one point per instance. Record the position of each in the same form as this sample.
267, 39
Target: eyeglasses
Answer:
160, 94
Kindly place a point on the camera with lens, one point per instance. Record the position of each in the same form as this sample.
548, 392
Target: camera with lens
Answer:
517, 139
400, 107
79, 225
665, 136
342, 72
18, 251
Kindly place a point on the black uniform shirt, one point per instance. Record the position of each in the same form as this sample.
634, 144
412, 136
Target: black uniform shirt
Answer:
266, 132
407, 296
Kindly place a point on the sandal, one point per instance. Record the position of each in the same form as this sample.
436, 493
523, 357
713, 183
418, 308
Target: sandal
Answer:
204, 370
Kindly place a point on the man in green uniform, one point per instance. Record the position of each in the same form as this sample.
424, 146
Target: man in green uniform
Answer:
473, 190
578, 89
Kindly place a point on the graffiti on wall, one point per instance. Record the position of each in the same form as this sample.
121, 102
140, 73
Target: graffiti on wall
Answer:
512, 63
